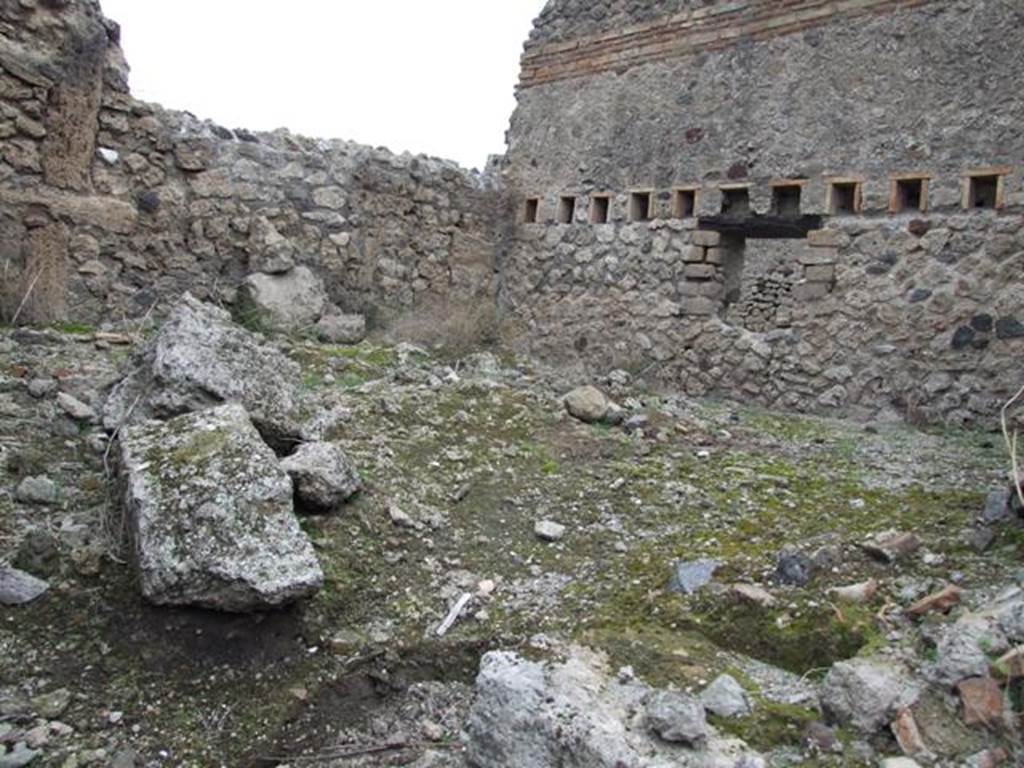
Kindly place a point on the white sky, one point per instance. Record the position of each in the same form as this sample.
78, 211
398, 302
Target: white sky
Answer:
427, 76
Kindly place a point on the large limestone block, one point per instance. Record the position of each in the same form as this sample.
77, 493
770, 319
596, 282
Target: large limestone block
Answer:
290, 301
212, 517
200, 359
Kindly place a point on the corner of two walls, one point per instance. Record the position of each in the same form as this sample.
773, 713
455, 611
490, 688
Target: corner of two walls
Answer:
110, 208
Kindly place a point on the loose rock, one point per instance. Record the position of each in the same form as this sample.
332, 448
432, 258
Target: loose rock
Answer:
725, 697
36, 490
866, 693
212, 515
18, 587
588, 404
324, 476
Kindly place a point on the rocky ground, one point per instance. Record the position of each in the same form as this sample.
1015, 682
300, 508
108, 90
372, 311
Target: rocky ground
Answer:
563, 534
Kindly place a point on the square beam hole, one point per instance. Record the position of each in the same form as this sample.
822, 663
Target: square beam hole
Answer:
909, 195
600, 205
640, 206
531, 211
786, 200
984, 191
566, 210
844, 197
684, 203
736, 202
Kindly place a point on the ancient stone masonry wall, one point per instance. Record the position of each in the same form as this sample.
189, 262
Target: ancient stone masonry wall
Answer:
656, 145
127, 204
879, 320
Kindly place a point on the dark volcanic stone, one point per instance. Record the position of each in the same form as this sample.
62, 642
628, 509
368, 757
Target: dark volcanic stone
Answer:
982, 323
1009, 328
963, 338
794, 568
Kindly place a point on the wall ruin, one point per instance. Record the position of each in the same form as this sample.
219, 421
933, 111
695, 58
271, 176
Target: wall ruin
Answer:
138, 204
897, 289
814, 204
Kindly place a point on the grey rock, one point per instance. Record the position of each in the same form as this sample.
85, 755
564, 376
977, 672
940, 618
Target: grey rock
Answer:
688, 577
40, 388
18, 587
211, 512
866, 693
323, 475
201, 359
38, 553
962, 650
574, 714
1010, 617
53, 704
677, 718
794, 568
288, 302
997, 507
19, 756
548, 530
341, 329
36, 490
75, 408
271, 252
588, 404
725, 697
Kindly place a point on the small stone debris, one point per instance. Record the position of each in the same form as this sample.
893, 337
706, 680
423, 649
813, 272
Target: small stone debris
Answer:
53, 704
794, 568
75, 408
36, 490
907, 734
725, 697
752, 593
688, 577
818, 737
548, 530
20, 755
40, 388
677, 718
891, 546
18, 587
939, 602
899, 762
997, 507
983, 700
1010, 666
856, 593
400, 518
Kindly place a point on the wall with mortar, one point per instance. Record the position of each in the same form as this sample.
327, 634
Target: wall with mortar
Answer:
916, 312
110, 207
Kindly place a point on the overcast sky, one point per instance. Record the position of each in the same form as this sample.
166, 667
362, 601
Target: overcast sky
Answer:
430, 76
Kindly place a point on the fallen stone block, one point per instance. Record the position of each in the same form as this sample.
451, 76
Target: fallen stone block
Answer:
211, 514
288, 302
200, 359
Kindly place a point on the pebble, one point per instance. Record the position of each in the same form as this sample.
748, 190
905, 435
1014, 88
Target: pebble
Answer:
36, 490
548, 530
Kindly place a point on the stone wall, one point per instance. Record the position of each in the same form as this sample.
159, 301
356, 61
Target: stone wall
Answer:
879, 321
904, 297
110, 207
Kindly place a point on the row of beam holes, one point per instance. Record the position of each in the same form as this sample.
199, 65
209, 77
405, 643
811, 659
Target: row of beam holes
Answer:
844, 198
